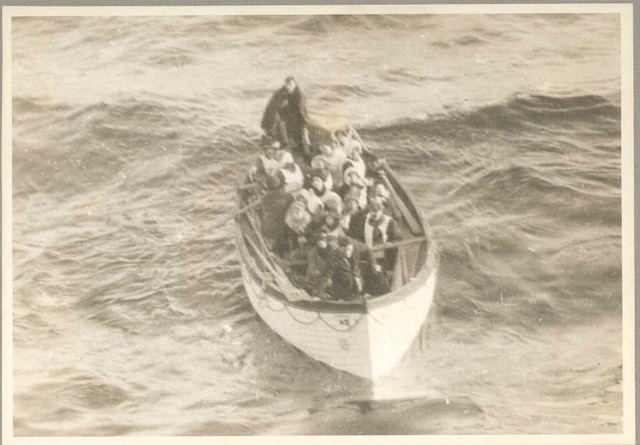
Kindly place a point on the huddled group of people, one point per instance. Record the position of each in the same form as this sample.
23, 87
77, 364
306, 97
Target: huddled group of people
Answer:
325, 208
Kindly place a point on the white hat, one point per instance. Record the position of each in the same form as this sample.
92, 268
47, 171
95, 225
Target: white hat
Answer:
319, 161
314, 204
333, 202
297, 217
349, 179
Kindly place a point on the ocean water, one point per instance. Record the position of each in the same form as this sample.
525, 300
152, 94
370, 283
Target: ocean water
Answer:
129, 135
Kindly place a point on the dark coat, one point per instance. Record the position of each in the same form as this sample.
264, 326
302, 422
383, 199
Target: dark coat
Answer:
344, 276
355, 225
289, 108
319, 269
274, 208
287, 241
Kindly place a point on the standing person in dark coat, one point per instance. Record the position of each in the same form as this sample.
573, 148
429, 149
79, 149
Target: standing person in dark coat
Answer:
346, 279
286, 118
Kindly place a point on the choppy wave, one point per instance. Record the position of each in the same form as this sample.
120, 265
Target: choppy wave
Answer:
124, 262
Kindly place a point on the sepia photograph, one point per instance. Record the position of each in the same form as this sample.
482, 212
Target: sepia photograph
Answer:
384, 221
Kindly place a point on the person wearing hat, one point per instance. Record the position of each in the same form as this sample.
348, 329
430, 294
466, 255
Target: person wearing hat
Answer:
332, 223
354, 186
285, 118
318, 187
379, 192
293, 237
293, 177
319, 162
343, 139
274, 208
270, 161
378, 228
354, 160
319, 265
335, 158
352, 215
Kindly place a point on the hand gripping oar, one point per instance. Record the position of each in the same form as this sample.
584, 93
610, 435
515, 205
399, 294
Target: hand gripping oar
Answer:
412, 221
376, 248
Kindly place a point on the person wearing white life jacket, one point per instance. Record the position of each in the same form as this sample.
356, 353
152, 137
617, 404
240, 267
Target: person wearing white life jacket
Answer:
354, 186
320, 162
344, 140
293, 177
378, 228
379, 192
336, 158
354, 160
271, 161
319, 189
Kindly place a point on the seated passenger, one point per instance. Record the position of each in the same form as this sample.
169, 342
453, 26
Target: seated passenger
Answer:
293, 177
301, 195
352, 215
293, 236
319, 162
274, 208
333, 224
354, 187
346, 142
270, 162
319, 187
378, 228
354, 160
378, 192
336, 157
319, 266
333, 203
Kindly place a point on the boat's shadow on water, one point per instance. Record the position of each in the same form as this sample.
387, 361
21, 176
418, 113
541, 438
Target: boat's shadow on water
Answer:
324, 401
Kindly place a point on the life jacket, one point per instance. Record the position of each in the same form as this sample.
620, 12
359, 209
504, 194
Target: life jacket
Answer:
327, 192
368, 229
293, 180
336, 166
271, 166
359, 166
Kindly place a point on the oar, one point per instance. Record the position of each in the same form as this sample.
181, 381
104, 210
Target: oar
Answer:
385, 246
243, 210
414, 223
402, 242
264, 260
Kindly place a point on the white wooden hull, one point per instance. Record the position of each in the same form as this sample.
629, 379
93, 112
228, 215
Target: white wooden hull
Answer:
365, 344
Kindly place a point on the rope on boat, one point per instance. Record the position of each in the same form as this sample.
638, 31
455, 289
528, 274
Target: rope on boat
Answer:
340, 330
276, 310
302, 322
264, 301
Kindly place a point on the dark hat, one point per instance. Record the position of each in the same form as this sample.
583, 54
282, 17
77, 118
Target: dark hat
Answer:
345, 241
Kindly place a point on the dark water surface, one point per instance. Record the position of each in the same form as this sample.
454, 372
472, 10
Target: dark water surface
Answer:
129, 312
